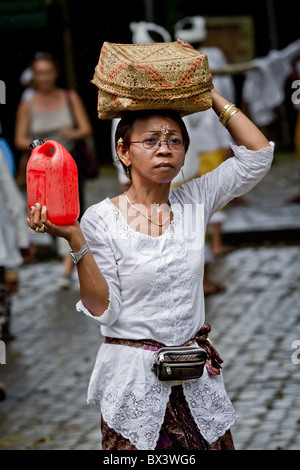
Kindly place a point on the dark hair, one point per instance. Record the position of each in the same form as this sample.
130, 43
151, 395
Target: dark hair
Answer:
124, 127
42, 55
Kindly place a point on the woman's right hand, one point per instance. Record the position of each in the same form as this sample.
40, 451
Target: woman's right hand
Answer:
38, 220
94, 290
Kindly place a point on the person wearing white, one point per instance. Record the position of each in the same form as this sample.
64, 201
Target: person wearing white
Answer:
263, 88
14, 233
143, 32
210, 141
15, 239
205, 129
144, 280
155, 291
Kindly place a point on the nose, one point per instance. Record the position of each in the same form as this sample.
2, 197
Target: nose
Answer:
163, 147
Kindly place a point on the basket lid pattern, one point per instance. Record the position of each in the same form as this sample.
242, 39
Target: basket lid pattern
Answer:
151, 76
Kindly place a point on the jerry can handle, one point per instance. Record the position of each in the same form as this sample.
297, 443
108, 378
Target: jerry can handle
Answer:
49, 146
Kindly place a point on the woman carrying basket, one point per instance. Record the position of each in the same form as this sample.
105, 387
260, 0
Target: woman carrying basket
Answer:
140, 261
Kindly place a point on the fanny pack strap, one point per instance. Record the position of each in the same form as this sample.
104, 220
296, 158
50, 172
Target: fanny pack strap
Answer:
213, 362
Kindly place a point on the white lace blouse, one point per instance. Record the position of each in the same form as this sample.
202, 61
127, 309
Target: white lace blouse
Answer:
156, 291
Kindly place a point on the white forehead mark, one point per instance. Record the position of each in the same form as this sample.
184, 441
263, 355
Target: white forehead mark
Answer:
165, 129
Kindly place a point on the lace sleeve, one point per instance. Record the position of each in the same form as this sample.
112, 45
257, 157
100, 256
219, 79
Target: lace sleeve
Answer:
233, 178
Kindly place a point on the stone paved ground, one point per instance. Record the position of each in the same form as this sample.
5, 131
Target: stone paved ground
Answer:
48, 368
254, 325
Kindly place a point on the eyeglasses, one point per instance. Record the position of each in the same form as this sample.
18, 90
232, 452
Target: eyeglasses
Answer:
152, 143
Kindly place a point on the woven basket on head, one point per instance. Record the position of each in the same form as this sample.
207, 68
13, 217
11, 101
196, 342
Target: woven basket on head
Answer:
133, 77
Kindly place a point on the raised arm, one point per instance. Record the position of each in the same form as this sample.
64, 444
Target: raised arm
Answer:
242, 130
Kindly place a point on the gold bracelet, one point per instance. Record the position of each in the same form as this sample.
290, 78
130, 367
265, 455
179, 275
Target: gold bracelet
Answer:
226, 108
226, 112
229, 116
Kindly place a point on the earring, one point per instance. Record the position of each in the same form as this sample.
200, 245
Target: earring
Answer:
128, 173
183, 175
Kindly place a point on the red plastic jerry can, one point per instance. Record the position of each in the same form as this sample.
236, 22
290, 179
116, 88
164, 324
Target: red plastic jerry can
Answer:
52, 181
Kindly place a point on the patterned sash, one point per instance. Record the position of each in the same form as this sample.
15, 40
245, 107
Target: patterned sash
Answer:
213, 361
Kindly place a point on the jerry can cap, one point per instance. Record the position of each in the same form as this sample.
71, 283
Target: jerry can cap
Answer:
36, 143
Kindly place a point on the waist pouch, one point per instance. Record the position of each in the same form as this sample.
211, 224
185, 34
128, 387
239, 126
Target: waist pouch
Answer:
185, 361
179, 363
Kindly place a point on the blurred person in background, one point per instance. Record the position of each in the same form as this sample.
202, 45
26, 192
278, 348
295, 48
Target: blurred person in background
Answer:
8, 154
52, 113
15, 245
264, 92
26, 80
210, 141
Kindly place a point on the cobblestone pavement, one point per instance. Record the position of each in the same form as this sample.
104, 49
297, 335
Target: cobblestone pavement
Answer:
255, 324
255, 327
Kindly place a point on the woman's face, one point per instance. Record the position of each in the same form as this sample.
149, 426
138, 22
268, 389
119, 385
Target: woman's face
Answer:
162, 163
44, 75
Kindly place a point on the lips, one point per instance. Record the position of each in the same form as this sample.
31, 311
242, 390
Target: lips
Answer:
164, 165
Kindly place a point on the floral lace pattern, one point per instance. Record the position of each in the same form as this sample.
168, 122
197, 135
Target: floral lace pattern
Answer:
174, 304
137, 413
210, 406
174, 278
